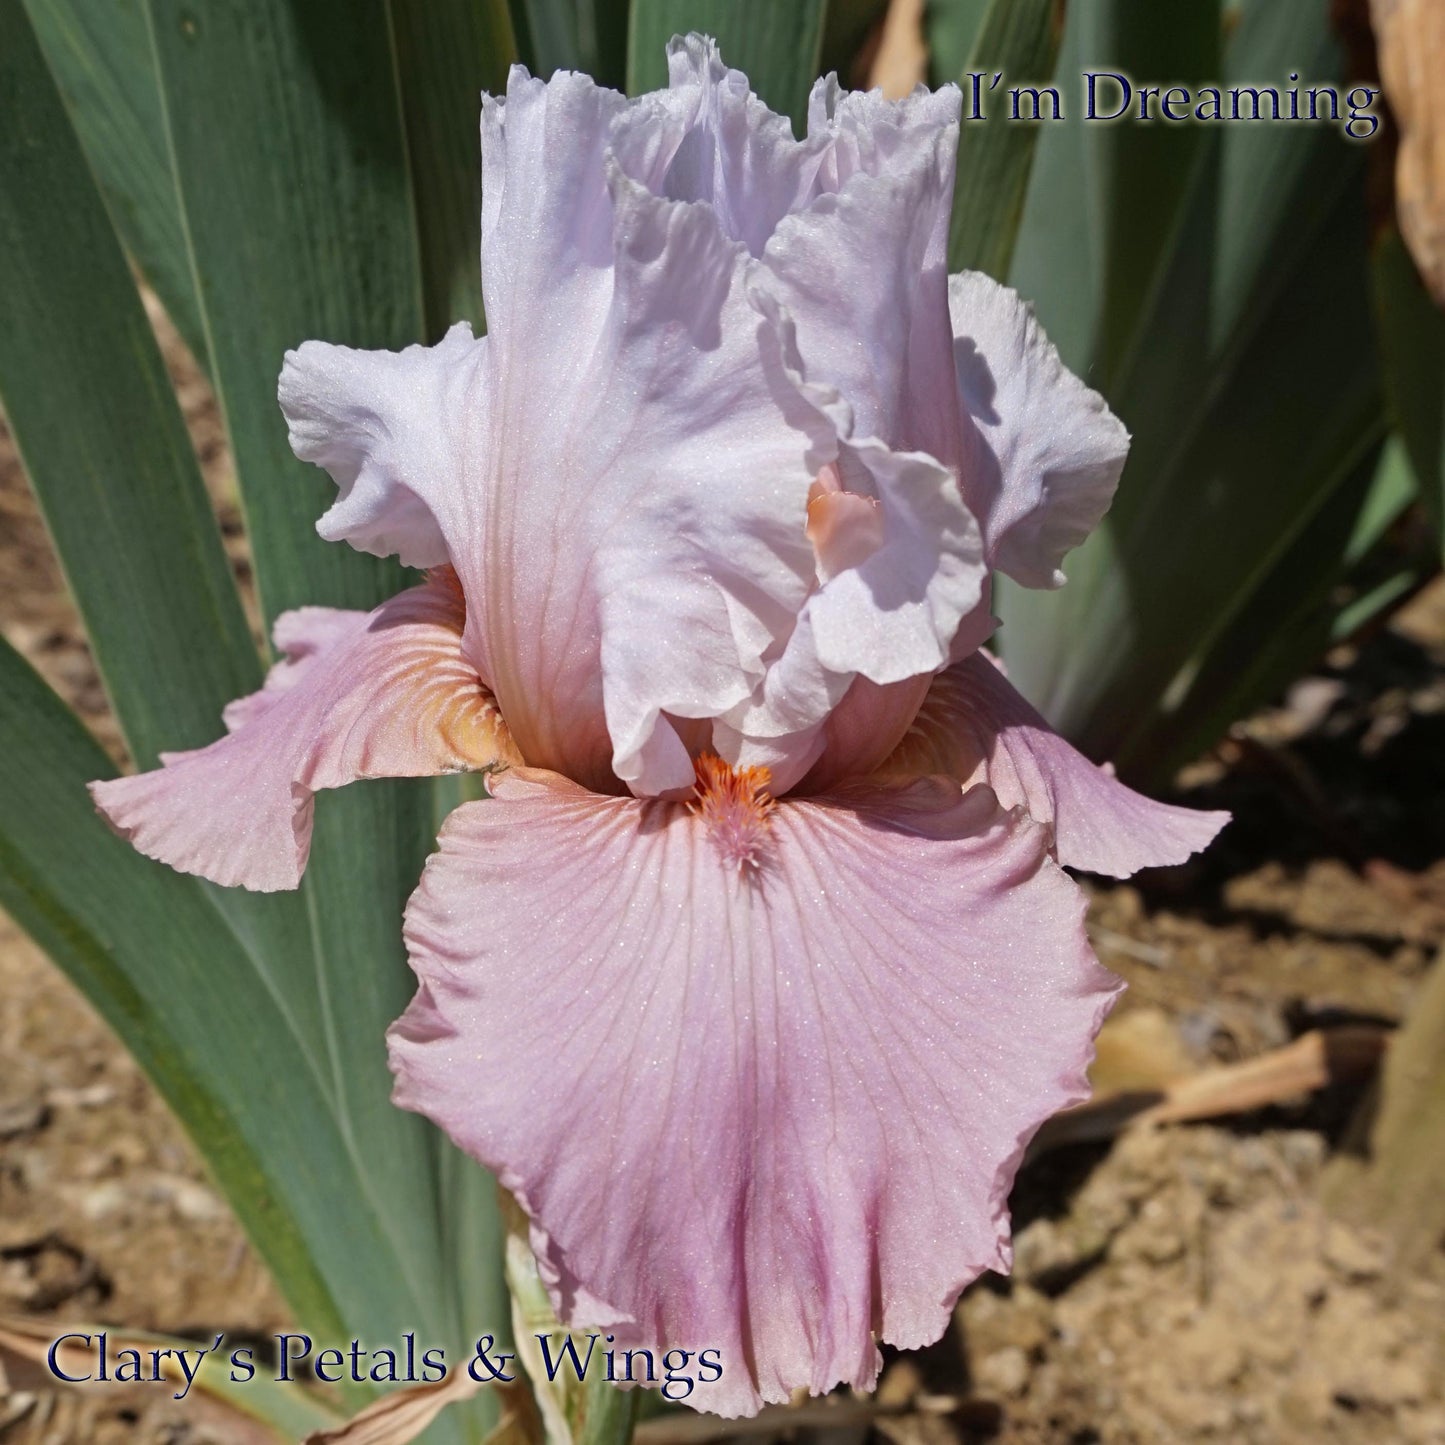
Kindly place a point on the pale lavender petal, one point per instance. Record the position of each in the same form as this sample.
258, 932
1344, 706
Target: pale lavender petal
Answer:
891, 617
869, 134
894, 615
392, 429
633, 440
642, 543
863, 271
359, 695
856, 284
976, 727
861, 276
1046, 451
773, 1113
709, 138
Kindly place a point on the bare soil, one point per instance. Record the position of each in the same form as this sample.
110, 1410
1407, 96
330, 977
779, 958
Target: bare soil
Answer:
1177, 1284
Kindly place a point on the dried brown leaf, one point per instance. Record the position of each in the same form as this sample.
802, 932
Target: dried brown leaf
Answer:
400, 1416
1411, 37
1323, 1056
24, 1345
1349, 1053
901, 61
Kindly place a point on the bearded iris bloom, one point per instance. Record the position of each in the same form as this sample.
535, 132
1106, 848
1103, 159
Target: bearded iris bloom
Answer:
758, 970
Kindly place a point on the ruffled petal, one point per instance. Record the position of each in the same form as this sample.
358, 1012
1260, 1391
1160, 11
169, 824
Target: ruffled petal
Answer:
1045, 451
894, 614
860, 275
693, 513
392, 430
856, 283
888, 618
868, 134
636, 436
643, 545
773, 1112
862, 270
708, 138
976, 727
385, 694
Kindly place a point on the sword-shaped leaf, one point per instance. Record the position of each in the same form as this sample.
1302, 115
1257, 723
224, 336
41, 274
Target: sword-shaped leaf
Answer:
101, 58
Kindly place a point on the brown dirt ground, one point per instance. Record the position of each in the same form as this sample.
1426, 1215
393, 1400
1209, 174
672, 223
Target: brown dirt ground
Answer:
1181, 1284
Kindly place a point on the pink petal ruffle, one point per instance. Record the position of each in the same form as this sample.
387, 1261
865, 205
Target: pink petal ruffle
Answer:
384, 694
773, 1114
975, 726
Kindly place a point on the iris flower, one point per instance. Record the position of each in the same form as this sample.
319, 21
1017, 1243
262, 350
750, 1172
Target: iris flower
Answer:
759, 968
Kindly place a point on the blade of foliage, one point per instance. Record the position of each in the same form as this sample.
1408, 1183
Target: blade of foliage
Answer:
1412, 341
149, 949
1390, 1174
286, 130
588, 35
1250, 403
1056, 260
778, 46
1144, 170
546, 32
1392, 488
606, 1415
1018, 38
952, 28
298, 212
107, 454
1299, 609
1365, 610
101, 57
603, 27
101, 435
448, 52
1106, 199
1223, 486
473, 1239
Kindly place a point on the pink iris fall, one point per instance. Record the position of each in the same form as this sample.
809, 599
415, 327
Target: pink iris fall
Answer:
759, 969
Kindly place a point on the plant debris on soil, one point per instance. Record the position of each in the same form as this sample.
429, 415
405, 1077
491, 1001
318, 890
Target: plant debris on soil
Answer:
1175, 1283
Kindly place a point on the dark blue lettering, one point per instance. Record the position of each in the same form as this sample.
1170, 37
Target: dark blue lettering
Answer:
1091, 105
283, 1346
568, 1351
55, 1369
